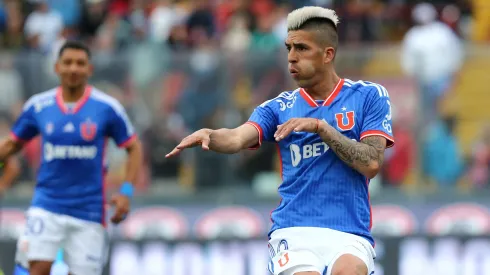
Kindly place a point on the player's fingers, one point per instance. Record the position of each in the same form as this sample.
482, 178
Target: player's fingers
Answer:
116, 219
205, 143
282, 127
286, 130
300, 127
174, 152
119, 215
187, 142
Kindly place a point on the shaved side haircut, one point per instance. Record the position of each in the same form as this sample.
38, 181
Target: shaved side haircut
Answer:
323, 22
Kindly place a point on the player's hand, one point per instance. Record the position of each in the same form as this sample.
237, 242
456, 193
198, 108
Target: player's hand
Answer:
201, 137
121, 205
310, 125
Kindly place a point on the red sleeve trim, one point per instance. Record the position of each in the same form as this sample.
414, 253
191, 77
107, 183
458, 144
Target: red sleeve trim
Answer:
17, 138
390, 139
127, 142
260, 132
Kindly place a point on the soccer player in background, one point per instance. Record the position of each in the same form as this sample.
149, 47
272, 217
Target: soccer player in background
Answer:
68, 206
331, 133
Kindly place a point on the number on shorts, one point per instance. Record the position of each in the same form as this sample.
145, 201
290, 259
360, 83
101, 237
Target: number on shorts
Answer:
282, 245
34, 226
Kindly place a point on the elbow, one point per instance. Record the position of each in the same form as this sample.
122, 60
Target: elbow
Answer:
237, 145
135, 148
225, 141
372, 170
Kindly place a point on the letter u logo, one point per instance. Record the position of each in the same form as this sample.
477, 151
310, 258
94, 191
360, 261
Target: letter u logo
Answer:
339, 117
284, 260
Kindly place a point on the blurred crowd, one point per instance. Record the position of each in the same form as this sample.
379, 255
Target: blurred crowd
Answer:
181, 65
235, 24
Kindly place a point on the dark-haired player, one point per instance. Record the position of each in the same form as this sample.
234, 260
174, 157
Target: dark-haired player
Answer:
332, 133
67, 211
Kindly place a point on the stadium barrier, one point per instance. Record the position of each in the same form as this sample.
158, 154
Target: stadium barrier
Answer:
413, 255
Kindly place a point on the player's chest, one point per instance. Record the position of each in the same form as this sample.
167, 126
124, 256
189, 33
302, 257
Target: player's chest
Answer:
78, 128
302, 148
345, 117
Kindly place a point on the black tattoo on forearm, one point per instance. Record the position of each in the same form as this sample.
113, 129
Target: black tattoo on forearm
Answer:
364, 153
379, 144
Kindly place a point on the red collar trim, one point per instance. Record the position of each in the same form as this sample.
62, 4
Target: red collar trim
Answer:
328, 100
78, 105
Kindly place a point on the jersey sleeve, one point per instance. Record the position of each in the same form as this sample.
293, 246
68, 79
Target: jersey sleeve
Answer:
121, 129
264, 119
25, 127
377, 115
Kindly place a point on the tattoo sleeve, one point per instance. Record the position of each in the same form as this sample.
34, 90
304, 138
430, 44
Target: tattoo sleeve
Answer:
362, 156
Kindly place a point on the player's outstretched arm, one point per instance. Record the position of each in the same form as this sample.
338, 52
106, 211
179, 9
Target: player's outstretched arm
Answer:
9, 147
365, 156
10, 171
226, 141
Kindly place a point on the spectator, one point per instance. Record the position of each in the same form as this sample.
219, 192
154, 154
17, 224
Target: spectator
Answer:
112, 35
280, 26
263, 39
479, 171
178, 38
120, 7
227, 9
432, 54
14, 23
93, 15
3, 18
43, 27
399, 159
442, 162
11, 91
237, 36
202, 18
68, 9
162, 20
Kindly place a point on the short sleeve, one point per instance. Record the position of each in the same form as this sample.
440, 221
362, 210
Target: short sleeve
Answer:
121, 129
25, 127
265, 121
377, 115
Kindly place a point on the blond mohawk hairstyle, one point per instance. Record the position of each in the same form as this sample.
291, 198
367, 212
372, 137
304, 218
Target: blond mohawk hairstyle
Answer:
299, 16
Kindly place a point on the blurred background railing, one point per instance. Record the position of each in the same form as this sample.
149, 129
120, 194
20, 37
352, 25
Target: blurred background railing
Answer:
178, 66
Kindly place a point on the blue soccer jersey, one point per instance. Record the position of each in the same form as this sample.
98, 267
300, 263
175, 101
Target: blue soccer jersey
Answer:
70, 179
318, 188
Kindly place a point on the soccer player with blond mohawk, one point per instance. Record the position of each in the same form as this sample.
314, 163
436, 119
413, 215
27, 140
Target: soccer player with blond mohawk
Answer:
332, 133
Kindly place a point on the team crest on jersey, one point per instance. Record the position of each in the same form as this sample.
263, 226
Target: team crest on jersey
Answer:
345, 121
49, 128
88, 130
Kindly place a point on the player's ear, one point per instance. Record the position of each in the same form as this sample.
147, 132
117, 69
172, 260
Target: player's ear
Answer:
57, 67
328, 55
90, 69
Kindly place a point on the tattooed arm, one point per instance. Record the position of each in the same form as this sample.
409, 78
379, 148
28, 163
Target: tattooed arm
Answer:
366, 156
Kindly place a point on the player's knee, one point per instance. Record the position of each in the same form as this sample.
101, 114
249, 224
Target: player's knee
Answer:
39, 268
349, 265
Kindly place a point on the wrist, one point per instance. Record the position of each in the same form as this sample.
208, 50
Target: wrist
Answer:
323, 128
126, 189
